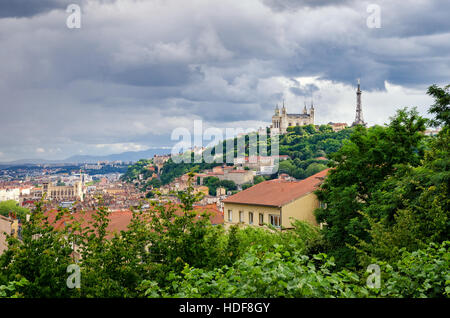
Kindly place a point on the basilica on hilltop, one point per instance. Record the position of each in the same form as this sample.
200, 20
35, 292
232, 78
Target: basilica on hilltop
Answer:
282, 120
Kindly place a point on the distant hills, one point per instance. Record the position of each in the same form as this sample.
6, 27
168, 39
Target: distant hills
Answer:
124, 156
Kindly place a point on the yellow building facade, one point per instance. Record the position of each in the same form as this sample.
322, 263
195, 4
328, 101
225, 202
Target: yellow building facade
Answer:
257, 215
275, 202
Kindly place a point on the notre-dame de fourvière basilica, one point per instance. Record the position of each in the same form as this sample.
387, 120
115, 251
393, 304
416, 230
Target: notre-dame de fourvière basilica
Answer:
283, 120
280, 121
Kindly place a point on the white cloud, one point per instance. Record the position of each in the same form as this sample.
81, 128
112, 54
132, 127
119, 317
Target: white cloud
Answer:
121, 147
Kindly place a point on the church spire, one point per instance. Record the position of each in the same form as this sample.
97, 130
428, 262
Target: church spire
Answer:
283, 110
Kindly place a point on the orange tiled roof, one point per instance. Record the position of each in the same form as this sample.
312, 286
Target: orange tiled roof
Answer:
118, 221
216, 217
277, 192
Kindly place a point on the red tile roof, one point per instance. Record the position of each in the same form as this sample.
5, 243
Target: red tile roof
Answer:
215, 216
277, 192
119, 220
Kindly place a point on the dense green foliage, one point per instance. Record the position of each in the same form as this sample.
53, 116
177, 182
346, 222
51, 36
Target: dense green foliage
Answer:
302, 144
388, 191
172, 170
362, 165
158, 241
41, 258
440, 109
305, 142
142, 177
289, 273
386, 202
213, 183
138, 168
12, 206
168, 254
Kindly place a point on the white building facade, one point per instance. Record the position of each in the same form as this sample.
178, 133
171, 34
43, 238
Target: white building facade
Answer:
282, 120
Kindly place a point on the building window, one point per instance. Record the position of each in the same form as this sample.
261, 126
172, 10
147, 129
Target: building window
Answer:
230, 216
275, 220
250, 217
261, 219
241, 216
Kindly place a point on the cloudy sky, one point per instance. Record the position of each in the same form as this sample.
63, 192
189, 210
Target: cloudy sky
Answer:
138, 69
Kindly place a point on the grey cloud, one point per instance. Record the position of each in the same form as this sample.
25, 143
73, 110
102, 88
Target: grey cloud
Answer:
132, 76
289, 5
306, 90
29, 8
157, 75
418, 18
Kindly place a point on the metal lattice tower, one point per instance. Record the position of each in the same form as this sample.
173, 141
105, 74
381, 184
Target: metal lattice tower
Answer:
359, 116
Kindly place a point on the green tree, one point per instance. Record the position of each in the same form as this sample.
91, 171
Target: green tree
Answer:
12, 206
41, 258
258, 179
413, 204
212, 183
441, 107
361, 165
314, 168
229, 185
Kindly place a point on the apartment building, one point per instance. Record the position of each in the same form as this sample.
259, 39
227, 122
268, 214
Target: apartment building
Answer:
275, 202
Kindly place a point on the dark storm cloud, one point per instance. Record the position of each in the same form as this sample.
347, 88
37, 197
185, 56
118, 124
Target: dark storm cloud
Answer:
157, 75
29, 8
405, 19
138, 69
298, 89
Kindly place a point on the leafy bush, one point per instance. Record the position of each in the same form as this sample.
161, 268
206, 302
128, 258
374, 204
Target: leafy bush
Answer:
421, 273
287, 273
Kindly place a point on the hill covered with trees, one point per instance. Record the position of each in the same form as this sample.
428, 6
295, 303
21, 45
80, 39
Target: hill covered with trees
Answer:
386, 205
302, 144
